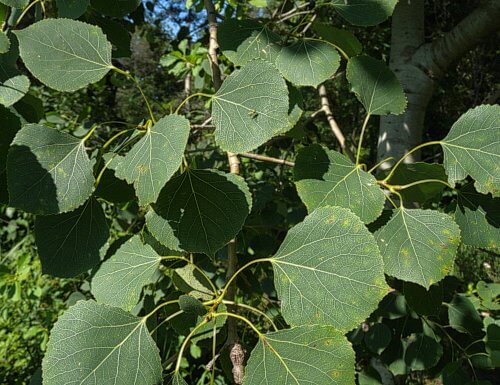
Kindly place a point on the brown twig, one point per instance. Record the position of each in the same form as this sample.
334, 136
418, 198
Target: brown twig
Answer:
234, 168
325, 106
267, 159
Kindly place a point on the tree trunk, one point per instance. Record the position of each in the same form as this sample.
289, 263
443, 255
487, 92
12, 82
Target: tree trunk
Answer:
418, 66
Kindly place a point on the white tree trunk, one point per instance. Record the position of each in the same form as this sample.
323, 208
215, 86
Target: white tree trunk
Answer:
418, 66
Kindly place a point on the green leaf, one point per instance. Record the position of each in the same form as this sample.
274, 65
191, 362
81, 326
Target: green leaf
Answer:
155, 158
422, 301
365, 12
463, 316
118, 35
30, 108
100, 344
489, 293
15, 3
317, 355
8, 60
250, 107
328, 178
308, 62
12, 90
376, 86
113, 189
4, 42
478, 217
471, 148
296, 105
191, 305
72, 9
200, 211
178, 380
115, 8
329, 270
74, 242
245, 40
11, 124
378, 337
189, 280
120, 279
48, 171
76, 54
344, 39
423, 352
413, 172
419, 245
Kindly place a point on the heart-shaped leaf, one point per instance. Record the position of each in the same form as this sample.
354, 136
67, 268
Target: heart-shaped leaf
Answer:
155, 158
308, 62
72, 243
120, 279
317, 355
328, 178
48, 171
200, 211
75, 55
93, 343
376, 86
472, 148
250, 107
329, 271
419, 245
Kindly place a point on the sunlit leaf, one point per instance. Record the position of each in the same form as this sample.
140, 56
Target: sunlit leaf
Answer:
245, 40
12, 90
155, 158
472, 147
48, 171
328, 178
65, 54
99, 344
200, 211
74, 242
250, 107
419, 245
120, 279
308, 62
376, 86
478, 216
317, 355
329, 271
365, 12
189, 280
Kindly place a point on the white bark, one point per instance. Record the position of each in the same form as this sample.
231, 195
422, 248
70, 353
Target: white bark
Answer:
419, 66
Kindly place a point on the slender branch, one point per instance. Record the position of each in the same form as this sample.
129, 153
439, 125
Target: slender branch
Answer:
325, 107
360, 143
234, 168
267, 159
